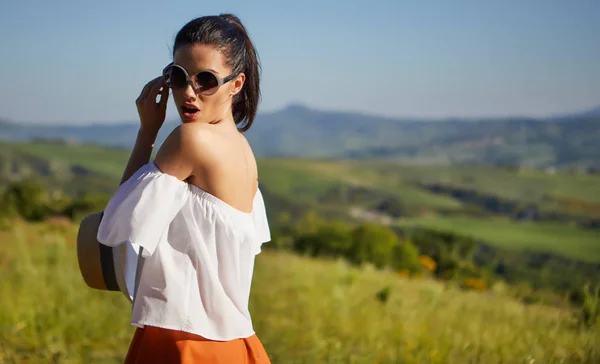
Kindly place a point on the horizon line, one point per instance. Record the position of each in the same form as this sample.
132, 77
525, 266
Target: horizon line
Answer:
303, 106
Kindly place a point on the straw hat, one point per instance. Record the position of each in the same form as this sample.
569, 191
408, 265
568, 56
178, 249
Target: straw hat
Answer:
103, 267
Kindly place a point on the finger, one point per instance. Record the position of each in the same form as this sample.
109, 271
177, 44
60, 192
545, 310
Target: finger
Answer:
153, 92
148, 88
145, 90
164, 96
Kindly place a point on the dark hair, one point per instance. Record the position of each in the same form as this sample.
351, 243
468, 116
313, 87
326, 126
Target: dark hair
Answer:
227, 33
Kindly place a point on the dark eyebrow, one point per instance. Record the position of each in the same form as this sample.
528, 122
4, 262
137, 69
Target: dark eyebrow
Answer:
206, 69
198, 71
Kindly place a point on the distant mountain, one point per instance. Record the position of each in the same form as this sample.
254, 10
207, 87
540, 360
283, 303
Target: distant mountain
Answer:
564, 141
103, 134
300, 131
595, 112
590, 113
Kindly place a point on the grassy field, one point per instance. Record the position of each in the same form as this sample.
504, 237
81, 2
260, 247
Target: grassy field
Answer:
106, 161
299, 175
305, 311
558, 238
523, 185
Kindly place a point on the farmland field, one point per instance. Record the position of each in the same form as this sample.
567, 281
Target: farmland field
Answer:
561, 239
308, 181
109, 162
528, 185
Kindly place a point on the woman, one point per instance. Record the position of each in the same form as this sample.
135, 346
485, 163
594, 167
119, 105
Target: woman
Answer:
196, 209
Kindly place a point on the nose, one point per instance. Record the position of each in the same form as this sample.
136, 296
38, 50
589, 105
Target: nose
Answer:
189, 93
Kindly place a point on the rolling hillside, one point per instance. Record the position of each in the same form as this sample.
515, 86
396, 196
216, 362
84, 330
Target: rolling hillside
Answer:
565, 141
526, 226
480, 201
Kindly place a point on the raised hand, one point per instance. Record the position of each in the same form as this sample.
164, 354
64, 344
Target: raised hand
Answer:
152, 114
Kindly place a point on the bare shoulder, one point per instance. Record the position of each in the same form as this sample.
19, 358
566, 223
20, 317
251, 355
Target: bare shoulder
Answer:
186, 147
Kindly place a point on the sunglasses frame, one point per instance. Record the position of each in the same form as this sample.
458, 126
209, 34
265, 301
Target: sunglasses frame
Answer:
190, 81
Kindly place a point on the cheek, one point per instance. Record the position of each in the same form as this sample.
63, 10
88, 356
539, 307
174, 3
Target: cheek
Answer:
178, 97
219, 99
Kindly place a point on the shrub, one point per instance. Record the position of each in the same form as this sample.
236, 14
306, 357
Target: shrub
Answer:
406, 256
86, 204
332, 239
375, 244
26, 198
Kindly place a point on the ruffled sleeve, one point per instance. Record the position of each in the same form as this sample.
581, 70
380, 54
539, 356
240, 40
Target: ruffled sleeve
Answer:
261, 223
142, 208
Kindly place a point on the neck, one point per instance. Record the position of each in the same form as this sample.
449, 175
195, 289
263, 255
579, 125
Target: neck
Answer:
226, 119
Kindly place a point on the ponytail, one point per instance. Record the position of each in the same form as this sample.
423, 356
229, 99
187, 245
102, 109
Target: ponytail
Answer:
245, 103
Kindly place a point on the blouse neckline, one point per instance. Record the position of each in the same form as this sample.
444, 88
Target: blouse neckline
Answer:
207, 196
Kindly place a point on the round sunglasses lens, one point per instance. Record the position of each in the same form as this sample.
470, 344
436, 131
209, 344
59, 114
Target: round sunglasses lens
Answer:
175, 77
207, 82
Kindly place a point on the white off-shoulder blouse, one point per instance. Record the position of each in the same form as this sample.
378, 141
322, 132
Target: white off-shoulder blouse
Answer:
198, 253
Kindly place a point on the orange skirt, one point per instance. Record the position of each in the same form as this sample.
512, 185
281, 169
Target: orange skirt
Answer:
156, 345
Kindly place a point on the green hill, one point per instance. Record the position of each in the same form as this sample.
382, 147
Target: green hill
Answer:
475, 200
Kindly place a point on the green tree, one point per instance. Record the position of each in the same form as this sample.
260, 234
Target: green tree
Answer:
309, 223
86, 204
373, 243
406, 256
327, 239
28, 199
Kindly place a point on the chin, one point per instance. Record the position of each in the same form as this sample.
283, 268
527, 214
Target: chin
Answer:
187, 120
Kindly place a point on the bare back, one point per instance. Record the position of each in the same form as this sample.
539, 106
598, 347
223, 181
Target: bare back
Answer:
227, 170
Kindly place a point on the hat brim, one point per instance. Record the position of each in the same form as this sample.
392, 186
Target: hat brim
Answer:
103, 267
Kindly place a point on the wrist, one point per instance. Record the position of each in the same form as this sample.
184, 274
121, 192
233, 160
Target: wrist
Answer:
147, 135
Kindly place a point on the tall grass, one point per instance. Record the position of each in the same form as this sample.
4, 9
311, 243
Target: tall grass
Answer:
305, 311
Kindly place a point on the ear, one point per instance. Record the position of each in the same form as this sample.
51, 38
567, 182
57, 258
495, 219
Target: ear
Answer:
238, 83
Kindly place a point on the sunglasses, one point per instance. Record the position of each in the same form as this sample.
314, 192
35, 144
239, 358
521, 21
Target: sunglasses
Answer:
204, 82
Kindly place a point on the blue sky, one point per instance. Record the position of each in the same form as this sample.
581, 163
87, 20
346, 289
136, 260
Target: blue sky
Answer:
86, 61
